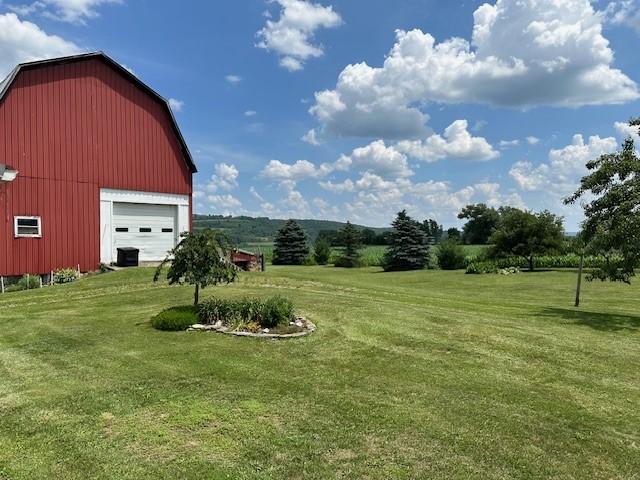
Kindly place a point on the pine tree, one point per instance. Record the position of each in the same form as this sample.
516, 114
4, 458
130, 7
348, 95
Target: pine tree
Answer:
408, 247
322, 251
352, 241
290, 246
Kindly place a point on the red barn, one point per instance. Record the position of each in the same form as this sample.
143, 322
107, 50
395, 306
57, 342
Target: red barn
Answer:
91, 159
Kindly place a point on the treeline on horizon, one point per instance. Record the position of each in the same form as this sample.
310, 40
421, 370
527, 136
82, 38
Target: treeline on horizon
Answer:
481, 220
244, 229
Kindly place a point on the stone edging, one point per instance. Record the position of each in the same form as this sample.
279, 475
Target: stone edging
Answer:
219, 328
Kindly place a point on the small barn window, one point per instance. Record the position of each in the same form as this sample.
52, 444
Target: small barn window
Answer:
145, 230
122, 229
28, 227
167, 230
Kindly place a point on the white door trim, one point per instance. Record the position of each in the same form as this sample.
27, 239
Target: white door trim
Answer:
109, 196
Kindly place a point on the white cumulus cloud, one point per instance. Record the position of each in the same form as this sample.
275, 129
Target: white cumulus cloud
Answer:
311, 138
292, 35
23, 41
225, 178
456, 142
300, 170
72, 11
625, 130
522, 53
376, 158
566, 166
176, 105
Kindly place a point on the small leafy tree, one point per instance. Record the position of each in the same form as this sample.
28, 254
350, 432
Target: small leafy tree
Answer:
527, 234
322, 251
454, 235
612, 224
450, 255
290, 246
408, 247
481, 222
201, 258
352, 243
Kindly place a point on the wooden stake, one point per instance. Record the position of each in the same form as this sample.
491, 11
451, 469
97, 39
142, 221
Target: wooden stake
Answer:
579, 280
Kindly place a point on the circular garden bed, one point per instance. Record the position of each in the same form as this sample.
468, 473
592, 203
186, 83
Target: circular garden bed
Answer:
248, 317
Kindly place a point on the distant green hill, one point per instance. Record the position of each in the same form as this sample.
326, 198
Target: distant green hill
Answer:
250, 230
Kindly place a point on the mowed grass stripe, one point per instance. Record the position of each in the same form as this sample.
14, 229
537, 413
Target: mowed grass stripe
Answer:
416, 375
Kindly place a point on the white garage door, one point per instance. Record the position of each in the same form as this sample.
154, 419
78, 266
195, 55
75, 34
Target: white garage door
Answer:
150, 228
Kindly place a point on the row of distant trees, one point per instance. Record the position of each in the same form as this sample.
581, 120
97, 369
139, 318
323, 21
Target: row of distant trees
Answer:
611, 229
481, 222
514, 232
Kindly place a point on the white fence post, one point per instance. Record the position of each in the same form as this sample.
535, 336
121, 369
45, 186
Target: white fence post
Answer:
2, 284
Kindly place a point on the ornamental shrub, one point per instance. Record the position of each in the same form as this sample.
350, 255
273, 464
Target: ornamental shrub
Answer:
479, 268
28, 282
450, 255
175, 319
268, 313
278, 311
65, 275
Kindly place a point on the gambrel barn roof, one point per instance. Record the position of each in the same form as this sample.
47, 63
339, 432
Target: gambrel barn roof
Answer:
5, 87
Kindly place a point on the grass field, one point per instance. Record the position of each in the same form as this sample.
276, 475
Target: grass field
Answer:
371, 255
429, 374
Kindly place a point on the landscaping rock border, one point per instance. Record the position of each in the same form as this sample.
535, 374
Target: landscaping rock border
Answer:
308, 326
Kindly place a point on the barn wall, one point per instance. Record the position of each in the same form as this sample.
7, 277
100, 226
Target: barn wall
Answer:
85, 122
70, 226
70, 130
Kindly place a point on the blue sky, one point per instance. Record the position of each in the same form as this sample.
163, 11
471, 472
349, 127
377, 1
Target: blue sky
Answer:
353, 110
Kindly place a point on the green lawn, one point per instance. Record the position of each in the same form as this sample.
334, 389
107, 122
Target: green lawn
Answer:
426, 375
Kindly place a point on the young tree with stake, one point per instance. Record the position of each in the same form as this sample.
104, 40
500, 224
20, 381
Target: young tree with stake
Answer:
201, 259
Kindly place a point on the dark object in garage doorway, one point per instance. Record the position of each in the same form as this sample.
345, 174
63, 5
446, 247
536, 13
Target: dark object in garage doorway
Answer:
128, 257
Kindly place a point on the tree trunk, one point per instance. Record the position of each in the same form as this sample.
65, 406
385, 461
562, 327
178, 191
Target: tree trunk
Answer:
579, 280
196, 295
531, 263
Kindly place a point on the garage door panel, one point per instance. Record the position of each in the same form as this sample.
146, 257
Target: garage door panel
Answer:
150, 228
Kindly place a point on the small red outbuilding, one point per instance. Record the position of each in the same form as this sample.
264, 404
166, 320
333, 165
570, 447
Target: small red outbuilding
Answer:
91, 159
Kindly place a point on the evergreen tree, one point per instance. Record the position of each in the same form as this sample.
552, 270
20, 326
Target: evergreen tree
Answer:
290, 245
352, 243
322, 251
408, 247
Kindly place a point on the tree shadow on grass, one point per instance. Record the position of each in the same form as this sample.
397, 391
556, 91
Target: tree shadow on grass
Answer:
607, 322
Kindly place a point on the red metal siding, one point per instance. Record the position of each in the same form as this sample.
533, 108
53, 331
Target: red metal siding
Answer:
70, 130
